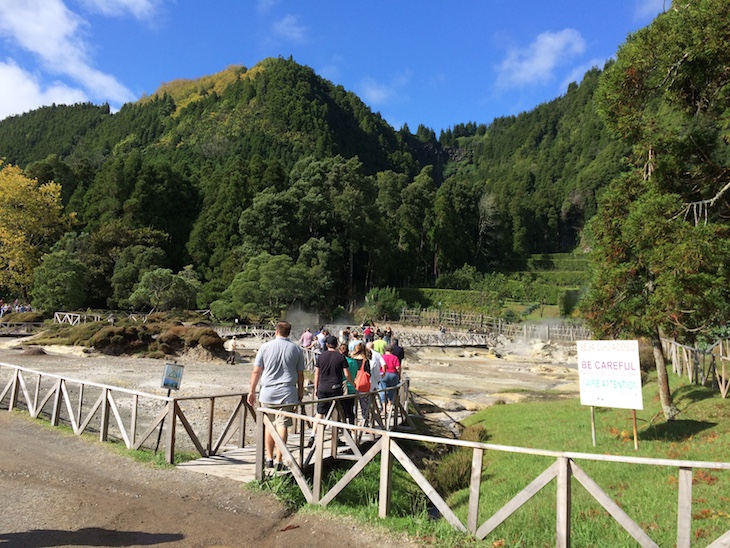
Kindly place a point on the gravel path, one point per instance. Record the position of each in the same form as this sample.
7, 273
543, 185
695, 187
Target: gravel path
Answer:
62, 490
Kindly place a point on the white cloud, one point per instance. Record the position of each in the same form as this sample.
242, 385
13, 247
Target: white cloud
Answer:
141, 9
48, 29
537, 62
377, 93
576, 75
21, 92
289, 29
264, 6
648, 9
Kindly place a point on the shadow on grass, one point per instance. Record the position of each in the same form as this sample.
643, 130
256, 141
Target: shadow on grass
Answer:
692, 393
678, 430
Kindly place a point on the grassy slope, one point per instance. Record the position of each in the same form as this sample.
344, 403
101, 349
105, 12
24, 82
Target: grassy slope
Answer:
647, 494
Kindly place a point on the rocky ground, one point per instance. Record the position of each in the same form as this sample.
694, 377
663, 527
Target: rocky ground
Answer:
75, 492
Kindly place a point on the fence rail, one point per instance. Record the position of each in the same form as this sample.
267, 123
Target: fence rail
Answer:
564, 469
496, 326
700, 366
115, 411
19, 328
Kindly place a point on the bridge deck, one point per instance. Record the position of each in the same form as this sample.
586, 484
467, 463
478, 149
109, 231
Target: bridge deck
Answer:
239, 464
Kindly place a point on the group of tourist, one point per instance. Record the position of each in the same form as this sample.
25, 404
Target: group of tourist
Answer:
279, 369
7, 308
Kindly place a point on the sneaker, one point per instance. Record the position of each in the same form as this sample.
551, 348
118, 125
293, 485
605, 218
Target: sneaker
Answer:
281, 467
310, 443
269, 463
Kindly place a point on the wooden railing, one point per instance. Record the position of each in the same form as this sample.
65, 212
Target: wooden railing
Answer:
88, 406
563, 470
700, 366
19, 328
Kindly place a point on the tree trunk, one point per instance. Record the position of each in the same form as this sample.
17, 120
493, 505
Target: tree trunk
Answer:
665, 396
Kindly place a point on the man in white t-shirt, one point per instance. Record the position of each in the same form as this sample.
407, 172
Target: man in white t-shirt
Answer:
279, 365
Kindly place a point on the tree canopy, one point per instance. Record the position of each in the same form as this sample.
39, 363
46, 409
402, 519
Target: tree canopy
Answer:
660, 238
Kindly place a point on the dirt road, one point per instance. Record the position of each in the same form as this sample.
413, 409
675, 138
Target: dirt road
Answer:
61, 490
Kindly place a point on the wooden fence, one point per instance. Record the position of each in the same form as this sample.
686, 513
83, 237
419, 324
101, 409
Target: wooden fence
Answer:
563, 470
114, 411
19, 328
700, 366
487, 325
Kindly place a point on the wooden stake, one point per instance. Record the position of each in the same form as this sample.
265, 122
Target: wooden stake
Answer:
593, 425
636, 436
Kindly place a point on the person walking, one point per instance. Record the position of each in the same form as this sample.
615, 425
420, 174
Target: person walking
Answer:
328, 372
391, 377
361, 356
232, 354
376, 367
279, 367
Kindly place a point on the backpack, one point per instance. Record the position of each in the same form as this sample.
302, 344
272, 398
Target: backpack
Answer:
362, 379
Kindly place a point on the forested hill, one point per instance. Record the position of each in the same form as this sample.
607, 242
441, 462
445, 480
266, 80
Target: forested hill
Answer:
279, 164
527, 183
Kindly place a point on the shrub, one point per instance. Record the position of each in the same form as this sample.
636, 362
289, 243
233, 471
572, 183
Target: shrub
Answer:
453, 471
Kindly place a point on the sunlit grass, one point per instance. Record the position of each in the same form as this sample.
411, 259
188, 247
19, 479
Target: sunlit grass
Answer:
647, 493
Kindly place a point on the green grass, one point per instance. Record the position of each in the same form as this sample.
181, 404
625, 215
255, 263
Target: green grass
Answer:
647, 493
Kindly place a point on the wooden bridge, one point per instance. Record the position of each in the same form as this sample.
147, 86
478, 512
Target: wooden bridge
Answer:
19, 329
220, 437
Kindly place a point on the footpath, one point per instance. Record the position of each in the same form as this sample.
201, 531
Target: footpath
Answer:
62, 490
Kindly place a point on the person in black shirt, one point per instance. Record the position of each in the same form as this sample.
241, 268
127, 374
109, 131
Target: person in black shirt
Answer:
328, 372
398, 351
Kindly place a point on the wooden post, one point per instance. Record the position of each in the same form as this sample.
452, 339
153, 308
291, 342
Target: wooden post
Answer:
171, 424
318, 463
593, 425
636, 435
563, 504
211, 411
242, 425
386, 476
133, 425
104, 427
37, 411
260, 445
474, 490
14, 392
81, 403
684, 510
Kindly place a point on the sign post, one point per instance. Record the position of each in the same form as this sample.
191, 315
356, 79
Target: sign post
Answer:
171, 379
610, 376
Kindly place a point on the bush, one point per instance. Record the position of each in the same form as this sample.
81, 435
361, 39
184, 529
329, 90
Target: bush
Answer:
453, 471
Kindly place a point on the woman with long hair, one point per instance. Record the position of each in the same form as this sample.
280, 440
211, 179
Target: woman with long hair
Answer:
362, 355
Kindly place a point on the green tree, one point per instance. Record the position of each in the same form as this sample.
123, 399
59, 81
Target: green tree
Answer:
163, 290
59, 283
660, 238
265, 288
133, 262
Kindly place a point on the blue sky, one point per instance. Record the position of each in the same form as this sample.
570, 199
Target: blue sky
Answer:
428, 62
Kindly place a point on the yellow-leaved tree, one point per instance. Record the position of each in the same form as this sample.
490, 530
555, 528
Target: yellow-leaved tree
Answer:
31, 221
